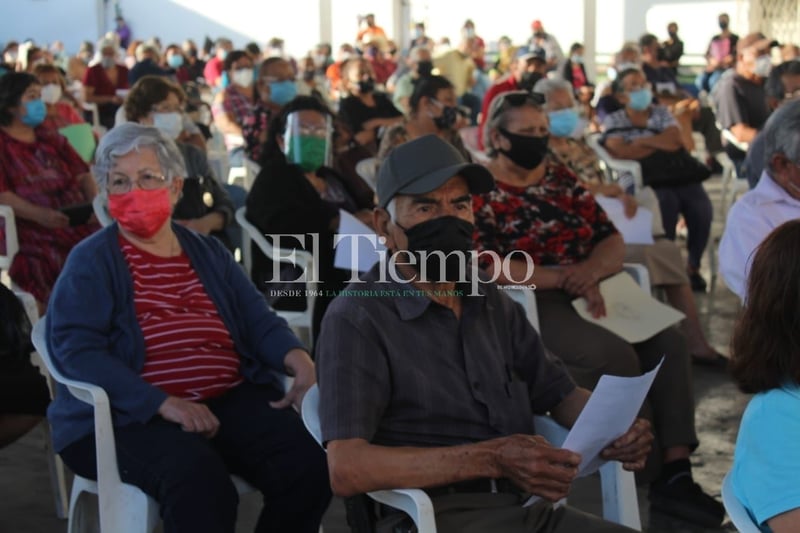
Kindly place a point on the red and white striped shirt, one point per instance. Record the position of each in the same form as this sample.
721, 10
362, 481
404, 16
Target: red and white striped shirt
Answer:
189, 352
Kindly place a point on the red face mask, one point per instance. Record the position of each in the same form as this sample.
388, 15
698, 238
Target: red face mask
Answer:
141, 212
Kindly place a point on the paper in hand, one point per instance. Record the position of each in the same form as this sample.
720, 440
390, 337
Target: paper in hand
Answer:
631, 313
636, 230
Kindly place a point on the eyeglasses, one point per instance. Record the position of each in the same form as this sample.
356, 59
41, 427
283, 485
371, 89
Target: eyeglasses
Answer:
314, 131
516, 99
121, 184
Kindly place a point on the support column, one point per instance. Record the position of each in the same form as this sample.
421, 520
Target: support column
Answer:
590, 38
326, 23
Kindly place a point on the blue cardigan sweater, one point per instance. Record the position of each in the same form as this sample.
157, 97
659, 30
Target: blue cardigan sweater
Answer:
93, 334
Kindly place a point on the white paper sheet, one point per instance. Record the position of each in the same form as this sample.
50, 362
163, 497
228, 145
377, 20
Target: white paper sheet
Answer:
636, 230
631, 312
356, 253
607, 415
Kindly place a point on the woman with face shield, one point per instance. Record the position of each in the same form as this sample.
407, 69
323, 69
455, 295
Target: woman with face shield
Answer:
297, 192
433, 110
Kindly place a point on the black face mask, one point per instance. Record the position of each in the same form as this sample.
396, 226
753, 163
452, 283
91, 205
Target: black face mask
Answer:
723, 26
308, 75
447, 119
528, 80
443, 234
425, 69
366, 86
673, 34
526, 151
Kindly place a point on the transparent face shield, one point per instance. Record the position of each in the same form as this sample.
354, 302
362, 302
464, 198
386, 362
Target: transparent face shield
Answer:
307, 144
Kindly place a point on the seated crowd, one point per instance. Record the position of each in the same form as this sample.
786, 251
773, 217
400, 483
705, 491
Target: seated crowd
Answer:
129, 250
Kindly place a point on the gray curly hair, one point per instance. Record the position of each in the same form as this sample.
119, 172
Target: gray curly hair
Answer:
131, 136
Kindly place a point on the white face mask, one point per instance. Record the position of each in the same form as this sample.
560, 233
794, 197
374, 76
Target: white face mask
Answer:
171, 124
51, 93
243, 77
763, 66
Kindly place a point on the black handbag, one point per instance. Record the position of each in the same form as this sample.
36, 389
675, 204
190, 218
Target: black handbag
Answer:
669, 169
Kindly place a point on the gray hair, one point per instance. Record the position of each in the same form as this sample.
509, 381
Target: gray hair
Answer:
131, 136
547, 87
782, 134
496, 116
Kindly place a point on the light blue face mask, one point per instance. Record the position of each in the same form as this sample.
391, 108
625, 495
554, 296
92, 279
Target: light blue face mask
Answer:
175, 61
282, 92
641, 99
563, 122
35, 112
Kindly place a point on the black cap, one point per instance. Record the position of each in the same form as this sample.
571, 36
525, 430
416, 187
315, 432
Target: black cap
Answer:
425, 164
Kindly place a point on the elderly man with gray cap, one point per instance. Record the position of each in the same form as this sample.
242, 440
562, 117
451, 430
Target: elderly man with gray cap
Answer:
775, 200
427, 384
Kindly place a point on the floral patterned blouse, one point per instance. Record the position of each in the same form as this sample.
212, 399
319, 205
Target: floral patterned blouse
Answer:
556, 221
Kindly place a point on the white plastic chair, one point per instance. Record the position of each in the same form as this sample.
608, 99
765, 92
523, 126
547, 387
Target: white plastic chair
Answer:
58, 479
123, 508
300, 258
739, 515
620, 501
92, 108
100, 207
414, 502
368, 170
251, 170
615, 167
12, 244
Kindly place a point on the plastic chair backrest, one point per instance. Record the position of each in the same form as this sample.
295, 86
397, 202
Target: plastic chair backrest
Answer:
368, 170
739, 515
100, 206
81, 138
12, 244
414, 502
300, 258
614, 165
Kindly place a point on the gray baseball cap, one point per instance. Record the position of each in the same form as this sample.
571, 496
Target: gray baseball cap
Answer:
425, 164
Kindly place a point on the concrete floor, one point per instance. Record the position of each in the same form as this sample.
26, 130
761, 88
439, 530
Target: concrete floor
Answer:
26, 502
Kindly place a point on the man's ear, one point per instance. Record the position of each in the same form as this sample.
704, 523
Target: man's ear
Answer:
381, 221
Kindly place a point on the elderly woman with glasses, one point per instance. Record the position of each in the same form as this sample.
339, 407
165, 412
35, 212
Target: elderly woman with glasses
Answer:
539, 207
41, 177
662, 258
186, 348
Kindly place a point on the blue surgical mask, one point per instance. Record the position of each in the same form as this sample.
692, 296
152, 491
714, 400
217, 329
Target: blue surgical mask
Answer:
35, 112
563, 122
282, 92
575, 58
640, 100
175, 61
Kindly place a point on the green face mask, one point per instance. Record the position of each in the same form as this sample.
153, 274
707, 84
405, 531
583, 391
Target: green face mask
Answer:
308, 151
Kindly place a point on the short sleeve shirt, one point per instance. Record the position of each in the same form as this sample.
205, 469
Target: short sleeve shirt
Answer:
556, 221
766, 463
397, 369
741, 101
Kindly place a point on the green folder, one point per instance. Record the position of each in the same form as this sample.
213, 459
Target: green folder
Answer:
81, 137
